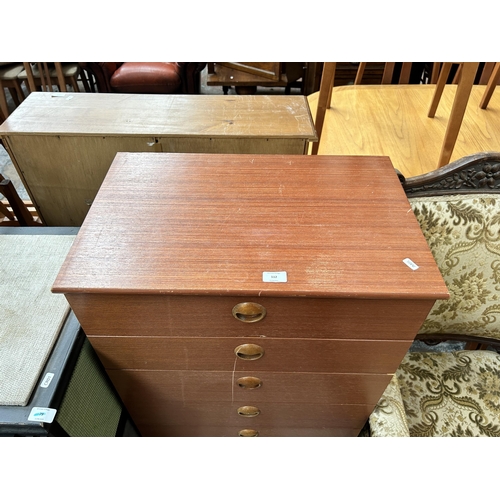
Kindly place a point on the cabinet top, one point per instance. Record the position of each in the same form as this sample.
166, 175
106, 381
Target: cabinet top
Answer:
153, 115
173, 223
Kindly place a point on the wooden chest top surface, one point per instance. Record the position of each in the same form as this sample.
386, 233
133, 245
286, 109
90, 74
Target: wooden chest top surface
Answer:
149, 115
171, 223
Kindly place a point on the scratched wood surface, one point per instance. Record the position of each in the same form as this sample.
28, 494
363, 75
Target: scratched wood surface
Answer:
392, 120
277, 387
62, 144
154, 284
161, 115
196, 224
219, 414
280, 355
166, 315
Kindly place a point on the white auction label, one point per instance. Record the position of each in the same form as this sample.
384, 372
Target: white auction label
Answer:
274, 277
410, 264
47, 380
38, 414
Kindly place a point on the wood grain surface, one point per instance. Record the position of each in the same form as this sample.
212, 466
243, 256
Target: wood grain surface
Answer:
220, 413
391, 120
177, 115
208, 316
297, 355
339, 226
139, 386
62, 144
158, 287
158, 430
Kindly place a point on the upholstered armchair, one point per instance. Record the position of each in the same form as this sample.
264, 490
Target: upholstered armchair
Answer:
454, 393
458, 208
441, 394
146, 77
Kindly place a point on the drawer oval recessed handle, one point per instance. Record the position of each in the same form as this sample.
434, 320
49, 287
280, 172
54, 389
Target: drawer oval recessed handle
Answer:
249, 312
248, 433
249, 382
249, 352
248, 411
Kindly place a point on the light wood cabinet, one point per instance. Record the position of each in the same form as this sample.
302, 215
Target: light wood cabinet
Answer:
200, 341
62, 144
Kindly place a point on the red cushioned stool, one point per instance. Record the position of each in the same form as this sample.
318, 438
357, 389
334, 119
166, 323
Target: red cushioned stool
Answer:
147, 78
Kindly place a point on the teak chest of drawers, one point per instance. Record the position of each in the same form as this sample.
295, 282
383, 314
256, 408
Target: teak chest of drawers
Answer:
62, 144
236, 295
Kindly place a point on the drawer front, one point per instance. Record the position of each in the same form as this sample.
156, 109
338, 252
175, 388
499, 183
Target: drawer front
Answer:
157, 411
200, 316
248, 354
138, 387
148, 430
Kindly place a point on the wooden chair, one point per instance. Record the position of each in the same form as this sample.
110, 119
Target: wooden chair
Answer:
460, 103
464, 88
326, 87
327, 81
490, 86
9, 73
373, 103
45, 76
19, 214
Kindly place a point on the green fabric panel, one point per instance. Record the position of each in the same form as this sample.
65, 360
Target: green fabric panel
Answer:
90, 407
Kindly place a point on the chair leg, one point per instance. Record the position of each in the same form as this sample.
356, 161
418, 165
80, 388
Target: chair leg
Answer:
359, 74
486, 73
19, 90
323, 101
84, 79
404, 77
438, 92
464, 89
490, 87
31, 80
74, 84
388, 72
435, 72
18, 207
61, 80
14, 96
3, 103
5, 212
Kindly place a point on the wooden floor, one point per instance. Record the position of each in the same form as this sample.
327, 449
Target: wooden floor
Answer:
399, 126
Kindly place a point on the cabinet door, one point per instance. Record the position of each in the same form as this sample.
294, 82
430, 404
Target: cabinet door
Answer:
63, 174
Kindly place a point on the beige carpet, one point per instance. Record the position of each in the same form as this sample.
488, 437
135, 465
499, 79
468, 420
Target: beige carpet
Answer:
30, 314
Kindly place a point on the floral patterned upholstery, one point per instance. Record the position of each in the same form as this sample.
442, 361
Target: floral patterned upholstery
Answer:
443, 394
463, 233
454, 393
389, 417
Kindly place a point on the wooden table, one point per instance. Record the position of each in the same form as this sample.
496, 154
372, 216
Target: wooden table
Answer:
400, 128
250, 294
62, 144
